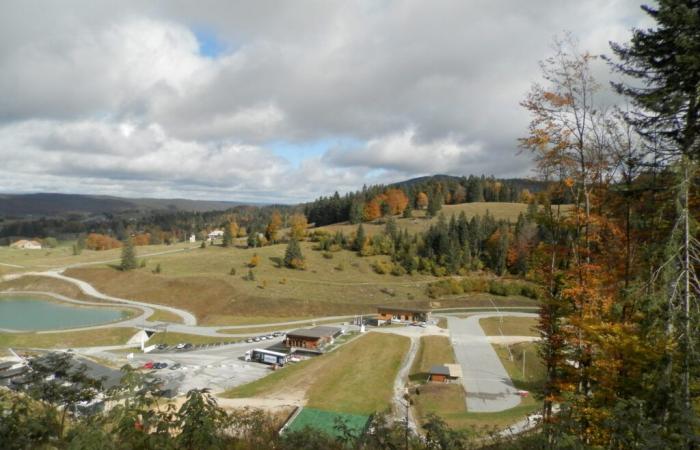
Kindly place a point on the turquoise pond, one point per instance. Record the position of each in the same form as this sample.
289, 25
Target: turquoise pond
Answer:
27, 313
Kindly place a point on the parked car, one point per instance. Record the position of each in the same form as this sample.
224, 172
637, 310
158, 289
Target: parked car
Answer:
256, 339
148, 365
277, 334
249, 340
161, 346
188, 345
175, 366
269, 336
160, 365
180, 346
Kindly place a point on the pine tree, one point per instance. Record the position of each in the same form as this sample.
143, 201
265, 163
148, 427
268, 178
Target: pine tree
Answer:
357, 209
128, 261
292, 256
360, 239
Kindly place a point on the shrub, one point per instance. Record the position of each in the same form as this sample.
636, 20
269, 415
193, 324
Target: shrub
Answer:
254, 261
157, 270
382, 267
232, 271
251, 275
142, 264
398, 270
283, 281
340, 267
328, 255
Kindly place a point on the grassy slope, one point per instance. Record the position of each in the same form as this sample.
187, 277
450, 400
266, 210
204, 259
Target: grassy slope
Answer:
419, 222
357, 378
202, 284
510, 326
102, 336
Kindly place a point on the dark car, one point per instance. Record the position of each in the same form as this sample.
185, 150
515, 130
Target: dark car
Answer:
175, 366
161, 346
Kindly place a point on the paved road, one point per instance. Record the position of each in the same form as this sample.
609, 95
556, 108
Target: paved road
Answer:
488, 385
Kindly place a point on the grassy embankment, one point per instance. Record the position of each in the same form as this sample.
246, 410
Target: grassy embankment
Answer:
509, 326
99, 337
357, 378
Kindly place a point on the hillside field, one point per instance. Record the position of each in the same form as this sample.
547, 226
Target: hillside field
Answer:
419, 222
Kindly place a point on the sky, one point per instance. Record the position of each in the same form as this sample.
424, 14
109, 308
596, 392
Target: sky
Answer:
274, 101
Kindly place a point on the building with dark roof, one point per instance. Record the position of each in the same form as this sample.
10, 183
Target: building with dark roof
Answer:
445, 372
403, 314
312, 338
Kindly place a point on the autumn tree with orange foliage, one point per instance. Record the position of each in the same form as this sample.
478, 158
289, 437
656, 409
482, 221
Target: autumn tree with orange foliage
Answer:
96, 241
141, 239
372, 210
397, 201
273, 226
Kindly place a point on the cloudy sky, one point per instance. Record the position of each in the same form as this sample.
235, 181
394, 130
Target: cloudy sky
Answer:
273, 101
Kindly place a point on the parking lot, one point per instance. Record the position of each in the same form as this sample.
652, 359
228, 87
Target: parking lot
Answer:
217, 367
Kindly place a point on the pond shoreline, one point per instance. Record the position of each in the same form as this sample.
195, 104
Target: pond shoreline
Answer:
130, 312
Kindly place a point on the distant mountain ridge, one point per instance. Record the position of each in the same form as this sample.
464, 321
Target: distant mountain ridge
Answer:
51, 204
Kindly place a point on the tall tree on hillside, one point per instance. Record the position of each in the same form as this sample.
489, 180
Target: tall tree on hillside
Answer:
273, 226
228, 235
422, 200
128, 260
360, 239
297, 225
292, 255
434, 204
664, 62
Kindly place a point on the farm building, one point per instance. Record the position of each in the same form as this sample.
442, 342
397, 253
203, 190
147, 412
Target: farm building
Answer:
312, 338
395, 313
216, 234
26, 245
445, 373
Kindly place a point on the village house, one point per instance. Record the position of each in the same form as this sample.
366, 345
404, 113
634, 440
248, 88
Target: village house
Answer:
26, 245
216, 234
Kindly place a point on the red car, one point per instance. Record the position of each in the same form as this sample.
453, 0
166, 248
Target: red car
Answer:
148, 365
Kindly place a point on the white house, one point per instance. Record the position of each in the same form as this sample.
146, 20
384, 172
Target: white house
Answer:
215, 234
26, 245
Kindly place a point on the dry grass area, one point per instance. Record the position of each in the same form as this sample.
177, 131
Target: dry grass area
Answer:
45, 284
87, 338
357, 378
433, 350
200, 281
50, 258
161, 315
509, 326
499, 210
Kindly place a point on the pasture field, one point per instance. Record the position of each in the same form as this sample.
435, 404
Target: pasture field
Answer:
509, 326
62, 256
201, 281
419, 222
358, 378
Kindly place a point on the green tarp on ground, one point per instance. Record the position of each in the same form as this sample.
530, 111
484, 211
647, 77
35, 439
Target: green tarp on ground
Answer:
325, 421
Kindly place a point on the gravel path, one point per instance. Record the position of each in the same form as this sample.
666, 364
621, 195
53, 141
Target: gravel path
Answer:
487, 383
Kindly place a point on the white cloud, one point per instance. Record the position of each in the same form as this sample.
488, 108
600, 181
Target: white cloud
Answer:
118, 95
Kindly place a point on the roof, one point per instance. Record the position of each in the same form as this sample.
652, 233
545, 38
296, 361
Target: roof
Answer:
439, 370
316, 332
448, 370
402, 308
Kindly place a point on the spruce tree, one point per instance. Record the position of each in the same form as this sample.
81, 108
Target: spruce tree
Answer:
292, 256
128, 261
360, 239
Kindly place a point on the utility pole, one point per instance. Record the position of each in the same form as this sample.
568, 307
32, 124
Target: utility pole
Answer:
524, 350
